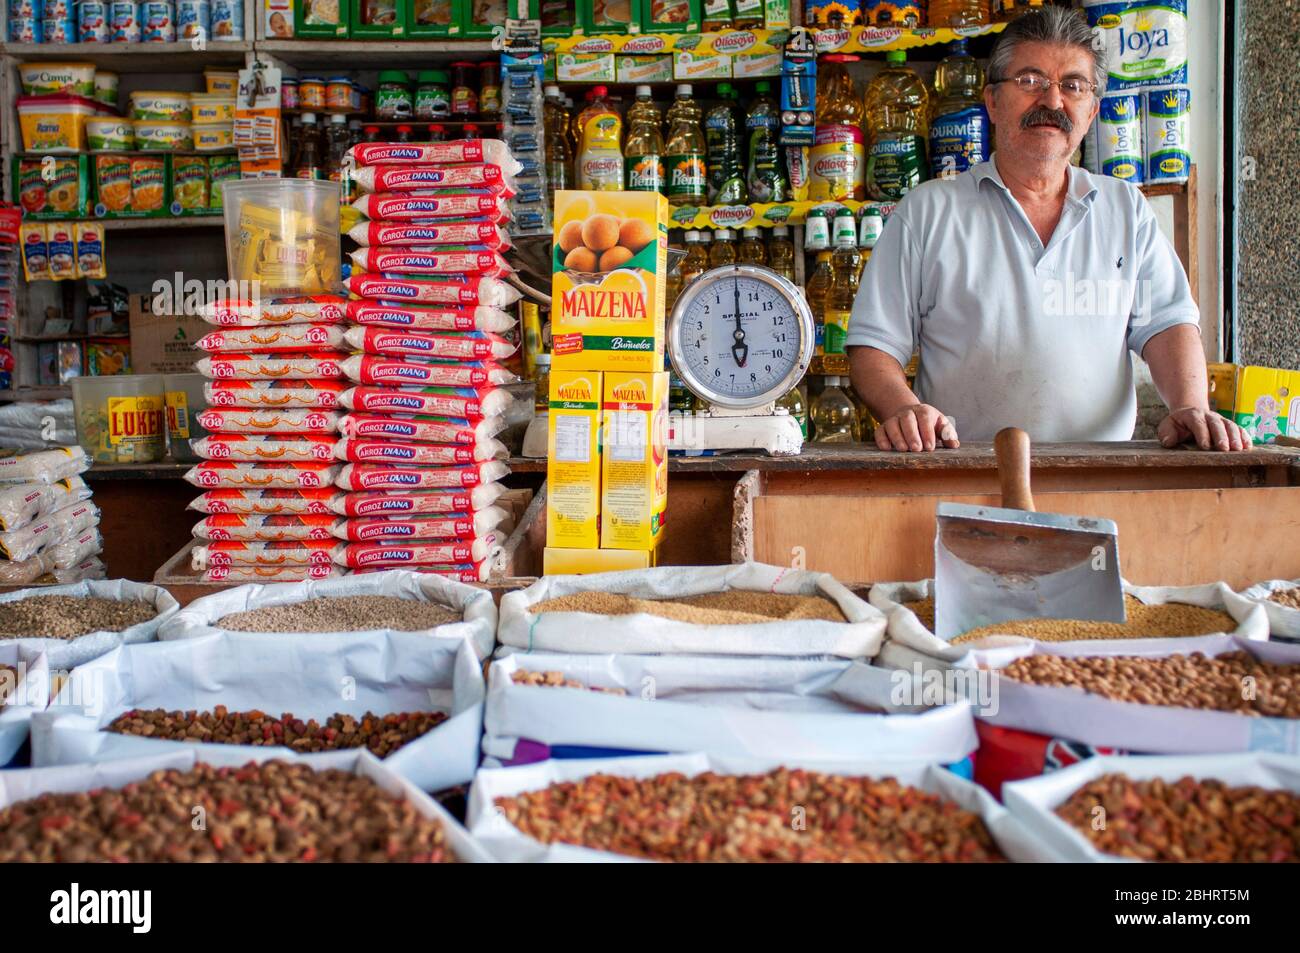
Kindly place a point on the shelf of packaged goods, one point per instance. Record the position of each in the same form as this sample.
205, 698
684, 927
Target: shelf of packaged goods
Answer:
875, 39
759, 215
136, 57
36, 393
395, 53
157, 224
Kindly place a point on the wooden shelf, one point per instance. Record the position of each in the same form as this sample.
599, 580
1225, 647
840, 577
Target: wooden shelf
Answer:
1169, 188
371, 54
136, 57
36, 393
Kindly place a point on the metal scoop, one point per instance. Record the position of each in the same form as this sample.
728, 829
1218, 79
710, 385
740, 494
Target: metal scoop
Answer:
996, 564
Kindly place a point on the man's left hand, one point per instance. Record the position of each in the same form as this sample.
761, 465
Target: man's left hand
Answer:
1209, 430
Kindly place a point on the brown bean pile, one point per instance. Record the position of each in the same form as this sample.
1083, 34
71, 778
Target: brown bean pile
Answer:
66, 617
1287, 597
8, 681
782, 816
258, 813
1183, 681
381, 735
732, 607
1186, 820
522, 676
924, 609
342, 614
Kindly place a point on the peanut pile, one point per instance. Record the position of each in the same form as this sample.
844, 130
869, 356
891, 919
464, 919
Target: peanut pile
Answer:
258, 813
8, 681
1186, 820
732, 607
782, 816
1287, 597
550, 679
66, 617
381, 735
1233, 682
342, 614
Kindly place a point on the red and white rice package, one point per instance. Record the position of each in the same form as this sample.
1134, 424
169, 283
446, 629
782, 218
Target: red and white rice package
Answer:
433, 260
448, 526
452, 232
284, 553
358, 476
325, 365
421, 429
266, 340
54, 527
381, 314
393, 555
493, 151
427, 177
268, 574
268, 421
267, 529
285, 395
362, 450
318, 502
393, 372
478, 290
224, 474
468, 403
266, 448
318, 309
432, 205
374, 503
454, 346
21, 503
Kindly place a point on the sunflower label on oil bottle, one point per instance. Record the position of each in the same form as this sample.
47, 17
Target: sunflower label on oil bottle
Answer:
837, 164
688, 176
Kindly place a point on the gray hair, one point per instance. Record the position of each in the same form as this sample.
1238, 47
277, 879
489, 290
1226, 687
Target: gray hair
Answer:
1062, 26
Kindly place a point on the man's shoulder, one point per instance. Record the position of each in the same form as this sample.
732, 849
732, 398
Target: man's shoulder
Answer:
1115, 196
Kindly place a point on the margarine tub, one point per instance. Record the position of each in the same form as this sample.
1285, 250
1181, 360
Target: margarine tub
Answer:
160, 106
153, 136
106, 88
110, 135
55, 123
221, 82
50, 79
212, 138
205, 110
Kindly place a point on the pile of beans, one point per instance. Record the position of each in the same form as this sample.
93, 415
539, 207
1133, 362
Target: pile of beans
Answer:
522, 676
342, 614
67, 617
1186, 820
1287, 597
1233, 682
258, 813
381, 735
782, 816
732, 607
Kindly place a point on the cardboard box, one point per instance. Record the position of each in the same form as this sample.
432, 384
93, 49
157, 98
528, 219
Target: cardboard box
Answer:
557, 561
163, 343
609, 265
573, 460
278, 19
585, 67
754, 65
393, 25
644, 69
634, 461
310, 20
688, 66
1264, 401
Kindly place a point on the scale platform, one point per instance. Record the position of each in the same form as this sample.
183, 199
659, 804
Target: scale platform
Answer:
696, 434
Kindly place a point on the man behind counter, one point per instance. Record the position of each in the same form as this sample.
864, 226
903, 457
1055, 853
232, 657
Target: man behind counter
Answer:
1025, 281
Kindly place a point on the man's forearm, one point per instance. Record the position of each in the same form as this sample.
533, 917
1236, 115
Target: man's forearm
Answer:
880, 382
1177, 363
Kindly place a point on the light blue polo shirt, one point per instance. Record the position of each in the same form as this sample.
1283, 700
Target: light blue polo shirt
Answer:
1014, 334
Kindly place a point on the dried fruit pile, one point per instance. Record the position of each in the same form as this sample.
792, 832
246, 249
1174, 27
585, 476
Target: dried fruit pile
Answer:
381, 735
8, 681
66, 617
1287, 597
732, 607
342, 614
260, 813
522, 676
1186, 820
784, 815
1233, 682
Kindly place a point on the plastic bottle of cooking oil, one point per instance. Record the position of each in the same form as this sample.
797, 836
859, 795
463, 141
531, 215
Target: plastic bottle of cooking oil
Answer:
643, 156
816, 287
897, 110
866, 423
599, 166
1006, 10
837, 163
846, 261
723, 251
559, 151
834, 418
954, 13
722, 131
793, 402
684, 159
765, 175
751, 250
780, 252
960, 131
697, 257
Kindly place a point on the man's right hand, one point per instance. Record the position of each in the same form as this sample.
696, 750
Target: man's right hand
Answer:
917, 427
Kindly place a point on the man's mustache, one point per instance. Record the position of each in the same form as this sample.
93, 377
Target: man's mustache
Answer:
1046, 116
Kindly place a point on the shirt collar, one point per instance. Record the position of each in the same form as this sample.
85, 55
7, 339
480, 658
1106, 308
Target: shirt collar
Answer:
1079, 192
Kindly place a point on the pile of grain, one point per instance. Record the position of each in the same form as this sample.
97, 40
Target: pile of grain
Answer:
1287, 597
733, 607
342, 614
67, 617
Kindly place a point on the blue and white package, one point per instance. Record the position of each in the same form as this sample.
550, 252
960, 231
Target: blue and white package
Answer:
1145, 42
1168, 134
227, 19
59, 29
92, 21
26, 9
26, 30
1114, 143
193, 19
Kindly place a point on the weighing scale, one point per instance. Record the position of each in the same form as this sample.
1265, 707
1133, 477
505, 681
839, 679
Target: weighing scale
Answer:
740, 337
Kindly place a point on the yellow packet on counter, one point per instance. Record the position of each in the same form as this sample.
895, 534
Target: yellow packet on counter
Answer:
90, 250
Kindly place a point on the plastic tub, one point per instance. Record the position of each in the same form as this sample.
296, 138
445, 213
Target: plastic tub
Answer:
160, 105
221, 82
110, 135
184, 395
121, 418
106, 88
153, 136
55, 123
284, 234
214, 138
50, 79
207, 109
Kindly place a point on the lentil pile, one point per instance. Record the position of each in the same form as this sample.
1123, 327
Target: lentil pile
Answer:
924, 609
342, 614
1186, 820
381, 735
8, 681
1183, 681
551, 679
782, 816
733, 607
258, 813
66, 617
1287, 597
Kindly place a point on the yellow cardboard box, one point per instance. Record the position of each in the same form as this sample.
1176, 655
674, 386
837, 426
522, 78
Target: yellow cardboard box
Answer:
573, 460
557, 561
634, 461
610, 262
1264, 401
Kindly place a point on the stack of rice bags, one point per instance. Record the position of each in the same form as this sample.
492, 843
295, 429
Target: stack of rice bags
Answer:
275, 375
48, 526
430, 280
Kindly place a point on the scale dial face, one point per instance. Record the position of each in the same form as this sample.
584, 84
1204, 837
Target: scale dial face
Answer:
740, 336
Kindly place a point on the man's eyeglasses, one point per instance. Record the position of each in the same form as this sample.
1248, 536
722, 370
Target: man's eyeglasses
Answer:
1035, 85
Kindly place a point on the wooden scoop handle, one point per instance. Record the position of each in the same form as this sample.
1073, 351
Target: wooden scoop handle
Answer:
1012, 448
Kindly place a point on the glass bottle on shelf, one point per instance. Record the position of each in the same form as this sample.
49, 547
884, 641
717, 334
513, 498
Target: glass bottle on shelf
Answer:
559, 152
834, 418
310, 164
